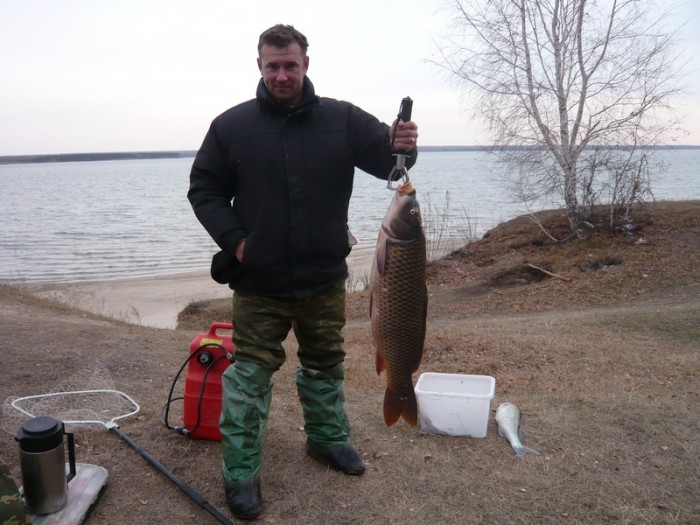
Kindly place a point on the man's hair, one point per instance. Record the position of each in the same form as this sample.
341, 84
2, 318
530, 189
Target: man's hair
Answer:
281, 36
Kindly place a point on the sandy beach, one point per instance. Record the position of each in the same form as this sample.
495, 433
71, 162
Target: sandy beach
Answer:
155, 301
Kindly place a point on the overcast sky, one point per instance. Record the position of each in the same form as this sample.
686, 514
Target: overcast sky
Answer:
147, 75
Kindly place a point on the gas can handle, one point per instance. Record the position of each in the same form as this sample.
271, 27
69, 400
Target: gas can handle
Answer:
219, 326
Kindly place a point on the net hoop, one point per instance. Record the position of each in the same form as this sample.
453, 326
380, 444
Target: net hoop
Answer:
134, 406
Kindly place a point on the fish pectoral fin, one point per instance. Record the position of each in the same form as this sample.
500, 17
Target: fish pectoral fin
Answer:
400, 404
381, 256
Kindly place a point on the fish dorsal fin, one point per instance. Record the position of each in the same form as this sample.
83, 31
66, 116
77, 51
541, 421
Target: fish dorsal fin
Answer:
419, 356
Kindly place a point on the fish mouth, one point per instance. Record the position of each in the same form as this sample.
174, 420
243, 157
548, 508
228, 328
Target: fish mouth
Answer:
406, 189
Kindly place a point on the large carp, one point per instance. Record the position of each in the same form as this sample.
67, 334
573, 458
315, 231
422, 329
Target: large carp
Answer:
399, 303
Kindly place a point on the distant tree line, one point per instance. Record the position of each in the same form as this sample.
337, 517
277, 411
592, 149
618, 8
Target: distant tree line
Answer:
86, 157
83, 157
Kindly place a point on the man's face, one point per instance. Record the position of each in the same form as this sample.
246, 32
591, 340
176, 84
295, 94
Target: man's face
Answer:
283, 71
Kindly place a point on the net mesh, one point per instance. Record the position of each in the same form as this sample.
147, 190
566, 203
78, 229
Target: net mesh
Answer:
87, 397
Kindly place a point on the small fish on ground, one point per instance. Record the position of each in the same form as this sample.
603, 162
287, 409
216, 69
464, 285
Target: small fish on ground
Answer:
509, 419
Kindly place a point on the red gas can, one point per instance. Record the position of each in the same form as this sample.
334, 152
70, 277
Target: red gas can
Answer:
203, 382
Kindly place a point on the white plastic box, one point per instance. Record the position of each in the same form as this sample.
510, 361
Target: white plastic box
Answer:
455, 404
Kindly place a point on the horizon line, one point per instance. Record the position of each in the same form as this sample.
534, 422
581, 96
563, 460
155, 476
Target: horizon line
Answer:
157, 154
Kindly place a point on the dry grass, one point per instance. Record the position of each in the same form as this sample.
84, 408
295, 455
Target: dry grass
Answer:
605, 366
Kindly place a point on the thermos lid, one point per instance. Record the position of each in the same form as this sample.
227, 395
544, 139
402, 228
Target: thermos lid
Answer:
40, 434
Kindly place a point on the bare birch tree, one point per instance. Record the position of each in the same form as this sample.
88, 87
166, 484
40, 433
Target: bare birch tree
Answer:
575, 93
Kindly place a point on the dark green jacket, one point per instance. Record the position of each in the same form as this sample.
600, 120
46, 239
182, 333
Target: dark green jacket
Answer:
281, 179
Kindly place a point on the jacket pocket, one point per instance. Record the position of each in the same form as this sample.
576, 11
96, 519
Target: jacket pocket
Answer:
224, 268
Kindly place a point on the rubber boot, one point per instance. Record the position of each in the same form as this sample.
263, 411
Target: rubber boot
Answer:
326, 425
246, 396
322, 398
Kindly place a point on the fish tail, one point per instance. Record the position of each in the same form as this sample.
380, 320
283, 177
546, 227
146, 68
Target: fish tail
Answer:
522, 450
398, 404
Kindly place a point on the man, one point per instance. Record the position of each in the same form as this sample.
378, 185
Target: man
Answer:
271, 184
13, 510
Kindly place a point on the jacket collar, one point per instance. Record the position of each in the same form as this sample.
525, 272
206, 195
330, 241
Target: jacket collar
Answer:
308, 99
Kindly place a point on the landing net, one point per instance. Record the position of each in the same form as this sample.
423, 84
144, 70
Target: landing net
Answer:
86, 398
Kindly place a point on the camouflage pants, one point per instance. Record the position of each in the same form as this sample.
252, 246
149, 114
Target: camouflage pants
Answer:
261, 324
12, 508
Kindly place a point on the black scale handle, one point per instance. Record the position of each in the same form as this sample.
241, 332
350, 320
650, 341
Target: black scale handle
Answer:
405, 109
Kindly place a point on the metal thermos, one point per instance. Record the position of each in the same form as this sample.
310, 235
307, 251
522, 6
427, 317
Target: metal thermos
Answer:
42, 460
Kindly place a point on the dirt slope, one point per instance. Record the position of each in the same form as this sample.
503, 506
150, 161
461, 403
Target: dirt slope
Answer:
598, 341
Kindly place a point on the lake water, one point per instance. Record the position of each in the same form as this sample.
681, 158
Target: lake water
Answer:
114, 219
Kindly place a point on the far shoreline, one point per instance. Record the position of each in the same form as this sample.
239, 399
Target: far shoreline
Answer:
176, 154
